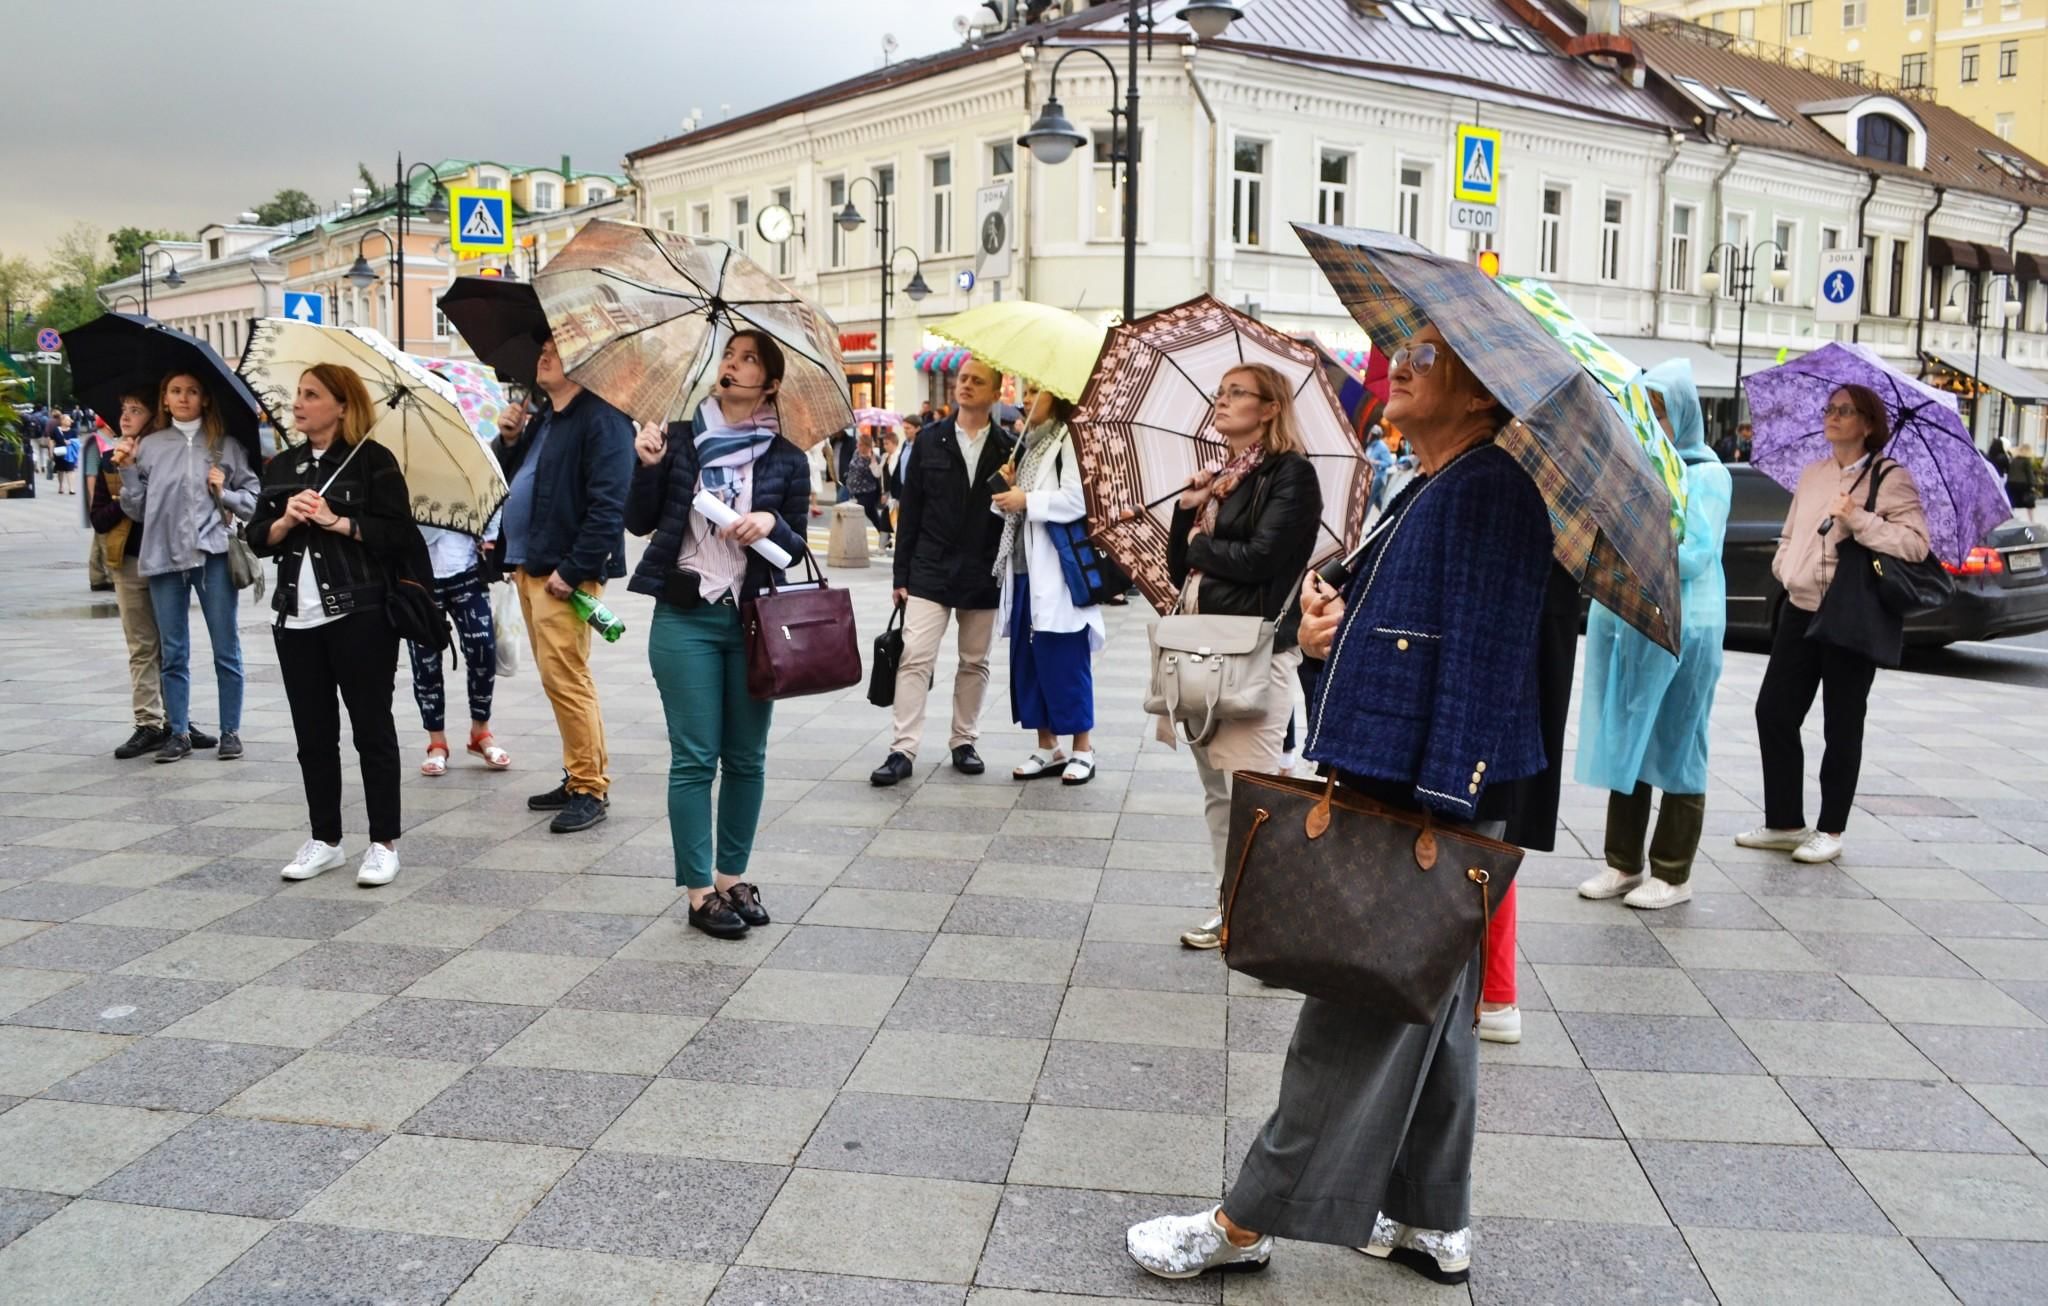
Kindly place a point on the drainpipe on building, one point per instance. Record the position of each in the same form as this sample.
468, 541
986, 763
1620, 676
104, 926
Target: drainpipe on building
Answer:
254, 266
1713, 234
1187, 63
1663, 235
1870, 260
1920, 318
2005, 323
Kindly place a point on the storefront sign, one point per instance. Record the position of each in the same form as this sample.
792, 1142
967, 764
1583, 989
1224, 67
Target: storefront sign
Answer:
856, 342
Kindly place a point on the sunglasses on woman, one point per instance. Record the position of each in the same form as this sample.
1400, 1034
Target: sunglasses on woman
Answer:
1416, 358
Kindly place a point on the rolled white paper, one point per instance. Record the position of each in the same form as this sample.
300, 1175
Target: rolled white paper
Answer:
714, 510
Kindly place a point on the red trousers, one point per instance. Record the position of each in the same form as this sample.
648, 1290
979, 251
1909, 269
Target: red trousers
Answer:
1500, 952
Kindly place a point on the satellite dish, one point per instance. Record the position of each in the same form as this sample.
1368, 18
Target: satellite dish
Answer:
961, 25
888, 43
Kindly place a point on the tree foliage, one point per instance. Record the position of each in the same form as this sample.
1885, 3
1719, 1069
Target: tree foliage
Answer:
286, 206
128, 244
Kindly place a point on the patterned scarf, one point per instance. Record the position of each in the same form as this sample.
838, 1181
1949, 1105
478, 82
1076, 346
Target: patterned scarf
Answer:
1228, 477
724, 453
1040, 442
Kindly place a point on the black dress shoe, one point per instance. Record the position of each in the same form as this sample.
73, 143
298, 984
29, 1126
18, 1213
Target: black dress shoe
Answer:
717, 918
554, 800
580, 813
200, 739
146, 739
895, 767
968, 762
746, 901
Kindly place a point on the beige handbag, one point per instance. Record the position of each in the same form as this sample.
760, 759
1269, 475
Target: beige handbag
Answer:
1209, 669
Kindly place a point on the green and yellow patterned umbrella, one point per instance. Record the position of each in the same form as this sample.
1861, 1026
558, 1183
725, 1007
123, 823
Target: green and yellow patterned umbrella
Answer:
1617, 375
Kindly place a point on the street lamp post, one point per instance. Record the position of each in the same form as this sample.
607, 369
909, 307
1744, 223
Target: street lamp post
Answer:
1741, 281
1973, 312
119, 299
1052, 139
850, 220
27, 319
360, 274
173, 278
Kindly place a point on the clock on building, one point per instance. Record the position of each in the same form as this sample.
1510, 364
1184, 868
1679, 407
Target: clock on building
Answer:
775, 224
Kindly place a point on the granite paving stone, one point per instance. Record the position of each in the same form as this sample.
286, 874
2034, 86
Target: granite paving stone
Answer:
1758, 1186
927, 1137
121, 1004
993, 1008
22, 1210
819, 1218
1543, 1100
1670, 1043
1899, 1115
238, 958
317, 1262
770, 1052
1132, 1151
1586, 1264
432, 1030
1946, 1195
295, 916
1133, 1077
814, 997
450, 1187
515, 1104
1754, 1267
744, 1285
352, 1092
684, 1117
258, 1168
277, 1017
635, 1205
1983, 1273
849, 950
1979, 1055
1833, 1050
1701, 1108
1088, 1229
173, 1074
516, 1275
530, 978
165, 1255
656, 988
33, 1059
67, 1147
73, 946
949, 1065
351, 967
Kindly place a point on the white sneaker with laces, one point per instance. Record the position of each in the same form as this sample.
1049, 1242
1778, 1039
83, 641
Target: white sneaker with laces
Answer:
1818, 849
1777, 841
1187, 1246
1503, 1026
1609, 883
315, 858
380, 866
1655, 895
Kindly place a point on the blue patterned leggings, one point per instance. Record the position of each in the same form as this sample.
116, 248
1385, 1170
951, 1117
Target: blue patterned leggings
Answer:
468, 605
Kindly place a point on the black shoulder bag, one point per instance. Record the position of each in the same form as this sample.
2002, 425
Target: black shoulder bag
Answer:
1872, 594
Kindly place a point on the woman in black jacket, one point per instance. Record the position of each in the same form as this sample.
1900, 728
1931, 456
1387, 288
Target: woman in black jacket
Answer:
1242, 535
700, 573
335, 513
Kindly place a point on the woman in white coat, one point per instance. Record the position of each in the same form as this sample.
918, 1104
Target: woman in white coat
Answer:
1054, 633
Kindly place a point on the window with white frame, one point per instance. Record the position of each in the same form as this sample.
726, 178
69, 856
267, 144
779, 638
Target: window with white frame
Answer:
543, 196
1799, 18
2003, 125
1678, 261
1247, 191
939, 170
1913, 70
1830, 237
1002, 159
1918, 8
489, 181
1854, 12
1333, 188
666, 219
835, 200
441, 331
1745, 24
1966, 70
1107, 221
786, 198
742, 217
1973, 6
1787, 237
1550, 233
700, 219
1613, 211
2008, 60
1408, 201
1898, 281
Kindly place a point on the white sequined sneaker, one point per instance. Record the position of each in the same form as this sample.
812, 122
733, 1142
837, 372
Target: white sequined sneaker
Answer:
315, 858
1432, 1253
1609, 883
1386, 1235
1185, 1246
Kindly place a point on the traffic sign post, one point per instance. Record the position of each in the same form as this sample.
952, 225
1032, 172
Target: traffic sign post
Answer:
1474, 217
480, 221
1839, 296
49, 341
305, 306
1477, 180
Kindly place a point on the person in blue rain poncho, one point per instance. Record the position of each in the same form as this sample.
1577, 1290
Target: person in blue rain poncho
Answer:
1643, 717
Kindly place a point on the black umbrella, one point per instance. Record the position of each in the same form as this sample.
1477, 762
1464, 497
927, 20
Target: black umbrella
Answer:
118, 353
502, 323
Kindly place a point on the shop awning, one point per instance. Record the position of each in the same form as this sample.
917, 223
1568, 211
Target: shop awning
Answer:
939, 360
2016, 384
1996, 259
1713, 373
1945, 253
2030, 267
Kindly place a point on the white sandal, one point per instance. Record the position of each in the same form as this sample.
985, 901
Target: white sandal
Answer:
486, 746
436, 762
1080, 769
1040, 765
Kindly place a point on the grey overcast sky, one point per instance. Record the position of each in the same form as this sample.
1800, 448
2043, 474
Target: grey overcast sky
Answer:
175, 113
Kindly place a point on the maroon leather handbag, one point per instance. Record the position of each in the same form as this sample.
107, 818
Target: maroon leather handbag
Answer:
800, 638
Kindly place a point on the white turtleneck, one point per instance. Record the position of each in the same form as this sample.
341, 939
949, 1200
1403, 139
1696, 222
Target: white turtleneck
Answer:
190, 430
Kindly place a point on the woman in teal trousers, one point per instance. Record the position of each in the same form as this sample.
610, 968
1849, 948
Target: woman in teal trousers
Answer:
699, 573
1643, 717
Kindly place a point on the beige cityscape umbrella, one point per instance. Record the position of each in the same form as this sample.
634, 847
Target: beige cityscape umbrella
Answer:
641, 317
453, 478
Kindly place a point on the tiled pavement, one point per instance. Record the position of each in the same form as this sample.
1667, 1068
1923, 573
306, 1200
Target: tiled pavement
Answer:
968, 1053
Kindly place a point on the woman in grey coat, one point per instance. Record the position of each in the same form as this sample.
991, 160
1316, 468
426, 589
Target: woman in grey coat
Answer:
188, 479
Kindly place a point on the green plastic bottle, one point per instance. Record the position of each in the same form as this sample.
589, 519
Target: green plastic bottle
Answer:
599, 616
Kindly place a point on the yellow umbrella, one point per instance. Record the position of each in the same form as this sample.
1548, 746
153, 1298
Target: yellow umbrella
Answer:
1049, 347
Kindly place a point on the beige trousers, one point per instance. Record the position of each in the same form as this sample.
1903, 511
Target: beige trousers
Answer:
1247, 744
924, 625
138, 624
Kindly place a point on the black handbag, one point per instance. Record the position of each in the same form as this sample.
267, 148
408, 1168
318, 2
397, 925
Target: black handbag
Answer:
1867, 603
409, 602
888, 656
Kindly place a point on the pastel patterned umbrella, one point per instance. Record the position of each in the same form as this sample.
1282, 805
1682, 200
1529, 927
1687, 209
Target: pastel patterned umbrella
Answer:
1610, 514
477, 392
1618, 376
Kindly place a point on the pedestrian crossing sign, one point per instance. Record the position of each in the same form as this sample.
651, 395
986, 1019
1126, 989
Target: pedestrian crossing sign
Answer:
479, 221
1478, 176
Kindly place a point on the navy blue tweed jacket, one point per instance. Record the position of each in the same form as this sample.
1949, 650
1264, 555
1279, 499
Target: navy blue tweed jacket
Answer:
1431, 678
658, 504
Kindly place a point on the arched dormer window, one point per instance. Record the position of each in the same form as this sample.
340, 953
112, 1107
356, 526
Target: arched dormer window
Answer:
1884, 138
1876, 127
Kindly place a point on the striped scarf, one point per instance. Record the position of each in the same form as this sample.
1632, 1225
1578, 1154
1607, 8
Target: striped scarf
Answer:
724, 453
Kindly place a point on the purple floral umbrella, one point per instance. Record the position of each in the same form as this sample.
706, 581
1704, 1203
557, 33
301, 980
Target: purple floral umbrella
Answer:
1962, 496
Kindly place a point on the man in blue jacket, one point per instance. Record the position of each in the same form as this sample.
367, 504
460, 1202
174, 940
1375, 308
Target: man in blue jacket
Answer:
564, 530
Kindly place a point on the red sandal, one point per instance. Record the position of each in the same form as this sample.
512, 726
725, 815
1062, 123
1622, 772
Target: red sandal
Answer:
485, 746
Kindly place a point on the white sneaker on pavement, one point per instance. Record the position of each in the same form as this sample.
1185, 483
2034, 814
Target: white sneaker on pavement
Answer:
1186, 1246
1818, 849
1609, 883
315, 858
1778, 841
1503, 1026
1655, 895
380, 866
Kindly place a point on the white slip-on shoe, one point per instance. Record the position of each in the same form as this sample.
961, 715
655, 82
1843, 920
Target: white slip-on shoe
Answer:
1819, 849
315, 858
1186, 1246
1777, 841
380, 866
1655, 895
1609, 883
1503, 1026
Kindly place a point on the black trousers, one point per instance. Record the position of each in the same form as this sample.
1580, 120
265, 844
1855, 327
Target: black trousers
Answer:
1799, 667
355, 660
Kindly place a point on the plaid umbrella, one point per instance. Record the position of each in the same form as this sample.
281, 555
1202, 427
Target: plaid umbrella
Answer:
1610, 515
1144, 427
641, 317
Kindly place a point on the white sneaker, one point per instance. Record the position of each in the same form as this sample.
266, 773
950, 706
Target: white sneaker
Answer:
1777, 841
380, 866
1186, 1246
1818, 849
315, 858
1655, 895
1209, 934
1609, 883
1287, 763
1503, 1026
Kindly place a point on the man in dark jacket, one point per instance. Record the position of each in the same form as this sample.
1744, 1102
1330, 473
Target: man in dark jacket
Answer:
565, 531
946, 540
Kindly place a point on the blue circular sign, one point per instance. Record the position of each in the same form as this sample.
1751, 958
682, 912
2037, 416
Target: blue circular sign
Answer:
48, 340
964, 278
1838, 286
